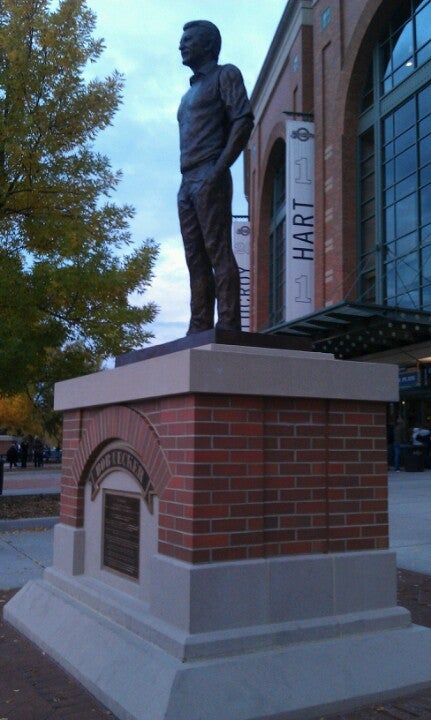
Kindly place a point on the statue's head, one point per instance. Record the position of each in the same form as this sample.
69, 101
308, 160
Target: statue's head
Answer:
206, 34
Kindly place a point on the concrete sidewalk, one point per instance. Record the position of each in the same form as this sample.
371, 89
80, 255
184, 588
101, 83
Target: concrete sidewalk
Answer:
26, 546
24, 554
410, 519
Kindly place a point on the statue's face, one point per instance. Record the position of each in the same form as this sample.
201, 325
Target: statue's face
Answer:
193, 48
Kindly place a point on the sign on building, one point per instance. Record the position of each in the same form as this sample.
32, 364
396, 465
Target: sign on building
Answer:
241, 249
299, 219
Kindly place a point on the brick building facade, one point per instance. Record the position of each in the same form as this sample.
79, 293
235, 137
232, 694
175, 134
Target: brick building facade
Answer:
361, 72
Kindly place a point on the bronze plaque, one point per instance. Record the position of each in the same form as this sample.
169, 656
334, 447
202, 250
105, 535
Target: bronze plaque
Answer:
121, 534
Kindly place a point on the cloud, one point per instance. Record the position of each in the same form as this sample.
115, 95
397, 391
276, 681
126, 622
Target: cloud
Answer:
170, 291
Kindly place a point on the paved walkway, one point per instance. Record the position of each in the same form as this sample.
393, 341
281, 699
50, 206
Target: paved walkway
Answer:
410, 519
32, 687
31, 480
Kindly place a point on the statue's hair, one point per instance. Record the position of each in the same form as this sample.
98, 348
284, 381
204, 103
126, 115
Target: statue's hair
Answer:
212, 33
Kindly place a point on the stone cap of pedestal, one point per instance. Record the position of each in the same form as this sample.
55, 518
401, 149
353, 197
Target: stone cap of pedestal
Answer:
233, 370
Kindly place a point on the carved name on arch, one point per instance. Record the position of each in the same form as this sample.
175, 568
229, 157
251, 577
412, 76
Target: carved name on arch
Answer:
120, 459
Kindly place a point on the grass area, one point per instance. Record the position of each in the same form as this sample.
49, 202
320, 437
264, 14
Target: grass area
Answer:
13, 507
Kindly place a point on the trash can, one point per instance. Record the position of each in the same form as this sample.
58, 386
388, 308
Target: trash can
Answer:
414, 458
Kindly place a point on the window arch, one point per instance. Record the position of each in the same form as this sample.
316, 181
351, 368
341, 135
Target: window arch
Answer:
394, 149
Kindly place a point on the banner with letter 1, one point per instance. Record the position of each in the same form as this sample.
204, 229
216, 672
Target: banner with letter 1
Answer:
299, 219
241, 249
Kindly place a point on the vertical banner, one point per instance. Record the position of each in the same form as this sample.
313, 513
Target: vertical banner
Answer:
299, 219
241, 249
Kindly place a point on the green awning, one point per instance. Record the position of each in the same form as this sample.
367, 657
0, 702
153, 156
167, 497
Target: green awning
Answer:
351, 329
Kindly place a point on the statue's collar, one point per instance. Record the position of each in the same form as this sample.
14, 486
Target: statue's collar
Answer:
203, 70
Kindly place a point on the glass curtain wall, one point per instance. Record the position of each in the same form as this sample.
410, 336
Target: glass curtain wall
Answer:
394, 148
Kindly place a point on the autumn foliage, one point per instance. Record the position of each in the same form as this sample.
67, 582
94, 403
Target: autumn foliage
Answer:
68, 266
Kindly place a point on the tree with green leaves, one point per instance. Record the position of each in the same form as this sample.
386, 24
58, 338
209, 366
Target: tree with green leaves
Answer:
67, 270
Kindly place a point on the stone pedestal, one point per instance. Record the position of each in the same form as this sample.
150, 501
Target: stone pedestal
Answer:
222, 550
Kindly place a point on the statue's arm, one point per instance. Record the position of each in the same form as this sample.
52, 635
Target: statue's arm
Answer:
240, 115
240, 132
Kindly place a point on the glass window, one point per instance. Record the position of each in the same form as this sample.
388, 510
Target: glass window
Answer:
424, 54
426, 205
426, 264
368, 93
408, 300
390, 251
408, 267
277, 241
402, 72
368, 235
388, 128
368, 278
368, 209
367, 188
367, 148
426, 292
390, 223
368, 221
424, 101
389, 196
389, 174
395, 229
425, 175
390, 280
407, 243
405, 163
423, 24
368, 287
406, 44
425, 126
388, 152
405, 140
403, 46
325, 18
405, 187
404, 117
425, 150
405, 215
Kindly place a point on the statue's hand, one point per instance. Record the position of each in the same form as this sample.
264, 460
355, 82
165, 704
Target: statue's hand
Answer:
212, 180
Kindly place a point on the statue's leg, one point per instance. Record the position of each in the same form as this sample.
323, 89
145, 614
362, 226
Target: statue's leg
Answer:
202, 291
215, 218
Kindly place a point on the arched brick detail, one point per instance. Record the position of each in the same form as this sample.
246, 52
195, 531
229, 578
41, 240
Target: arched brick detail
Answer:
121, 423
374, 16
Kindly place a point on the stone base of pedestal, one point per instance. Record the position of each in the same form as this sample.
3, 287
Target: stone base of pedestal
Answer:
278, 638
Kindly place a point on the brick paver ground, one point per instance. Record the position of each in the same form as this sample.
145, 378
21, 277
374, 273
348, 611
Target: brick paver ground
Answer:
32, 479
33, 687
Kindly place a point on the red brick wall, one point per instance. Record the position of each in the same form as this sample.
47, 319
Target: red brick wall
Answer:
244, 477
333, 65
293, 91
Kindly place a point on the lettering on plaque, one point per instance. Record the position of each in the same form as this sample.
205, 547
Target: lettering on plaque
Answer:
121, 533
119, 458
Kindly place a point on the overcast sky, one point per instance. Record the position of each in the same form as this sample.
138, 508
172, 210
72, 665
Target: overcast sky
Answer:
142, 38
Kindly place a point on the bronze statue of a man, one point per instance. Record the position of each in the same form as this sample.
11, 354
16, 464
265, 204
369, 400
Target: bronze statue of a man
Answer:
215, 121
